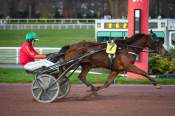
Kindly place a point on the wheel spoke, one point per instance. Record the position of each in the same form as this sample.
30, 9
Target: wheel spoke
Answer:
52, 85
61, 92
34, 88
38, 83
49, 82
48, 95
53, 89
64, 90
39, 95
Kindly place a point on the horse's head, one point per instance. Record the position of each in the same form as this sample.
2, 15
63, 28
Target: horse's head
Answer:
156, 44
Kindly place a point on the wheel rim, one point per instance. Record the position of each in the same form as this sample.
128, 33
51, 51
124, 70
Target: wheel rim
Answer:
45, 88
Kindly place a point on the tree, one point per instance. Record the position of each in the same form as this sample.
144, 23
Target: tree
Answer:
118, 8
69, 8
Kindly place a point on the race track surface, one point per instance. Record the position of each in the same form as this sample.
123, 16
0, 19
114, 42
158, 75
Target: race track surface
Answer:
117, 100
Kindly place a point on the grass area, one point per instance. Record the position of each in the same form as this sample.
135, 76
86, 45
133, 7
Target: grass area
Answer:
8, 75
48, 38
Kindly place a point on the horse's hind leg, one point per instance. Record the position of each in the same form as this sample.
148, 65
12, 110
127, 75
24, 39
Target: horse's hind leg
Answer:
109, 80
134, 69
84, 71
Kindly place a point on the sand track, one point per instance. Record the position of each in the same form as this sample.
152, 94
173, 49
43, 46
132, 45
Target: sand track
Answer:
117, 100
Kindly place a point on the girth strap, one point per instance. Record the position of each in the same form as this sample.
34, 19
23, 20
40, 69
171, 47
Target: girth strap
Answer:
111, 59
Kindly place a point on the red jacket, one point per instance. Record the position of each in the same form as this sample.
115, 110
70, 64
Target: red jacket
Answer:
29, 54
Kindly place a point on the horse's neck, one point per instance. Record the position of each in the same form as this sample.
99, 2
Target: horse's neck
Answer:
138, 45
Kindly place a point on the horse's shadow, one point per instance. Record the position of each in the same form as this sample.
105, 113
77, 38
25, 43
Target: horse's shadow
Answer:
85, 98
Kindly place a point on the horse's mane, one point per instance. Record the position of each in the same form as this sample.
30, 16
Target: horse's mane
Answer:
134, 38
88, 43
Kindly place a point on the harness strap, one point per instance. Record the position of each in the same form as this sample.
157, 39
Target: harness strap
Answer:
133, 53
111, 59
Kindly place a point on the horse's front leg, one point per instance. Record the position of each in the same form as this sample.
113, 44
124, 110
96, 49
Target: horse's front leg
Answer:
109, 80
132, 68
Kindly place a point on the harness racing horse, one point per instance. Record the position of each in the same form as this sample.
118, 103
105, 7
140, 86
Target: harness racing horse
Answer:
124, 60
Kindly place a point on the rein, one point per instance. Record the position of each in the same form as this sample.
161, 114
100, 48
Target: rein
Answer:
132, 46
126, 46
121, 45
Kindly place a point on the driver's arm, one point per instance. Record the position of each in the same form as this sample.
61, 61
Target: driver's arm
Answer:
34, 54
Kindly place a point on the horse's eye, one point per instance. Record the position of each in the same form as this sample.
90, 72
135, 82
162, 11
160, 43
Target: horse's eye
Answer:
156, 41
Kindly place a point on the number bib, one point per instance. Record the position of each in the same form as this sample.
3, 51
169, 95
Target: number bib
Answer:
111, 48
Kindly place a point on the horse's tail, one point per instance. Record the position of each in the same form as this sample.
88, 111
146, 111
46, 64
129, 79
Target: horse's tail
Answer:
61, 53
63, 50
55, 57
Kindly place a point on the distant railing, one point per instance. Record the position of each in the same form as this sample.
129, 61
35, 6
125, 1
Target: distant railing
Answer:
47, 21
10, 55
45, 26
21, 24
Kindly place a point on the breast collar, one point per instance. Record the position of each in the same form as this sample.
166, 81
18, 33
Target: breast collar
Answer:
133, 53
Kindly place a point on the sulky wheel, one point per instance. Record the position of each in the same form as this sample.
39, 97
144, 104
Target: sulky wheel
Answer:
45, 88
64, 87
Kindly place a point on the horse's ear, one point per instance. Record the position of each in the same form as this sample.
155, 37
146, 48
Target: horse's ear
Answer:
150, 35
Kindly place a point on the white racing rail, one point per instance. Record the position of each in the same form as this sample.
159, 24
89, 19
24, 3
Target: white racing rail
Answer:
20, 24
10, 55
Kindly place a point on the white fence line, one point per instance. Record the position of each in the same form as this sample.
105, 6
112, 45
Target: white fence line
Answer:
10, 55
21, 24
45, 26
47, 21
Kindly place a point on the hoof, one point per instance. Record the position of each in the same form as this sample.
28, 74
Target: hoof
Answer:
89, 96
92, 90
91, 93
88, 91
158, 86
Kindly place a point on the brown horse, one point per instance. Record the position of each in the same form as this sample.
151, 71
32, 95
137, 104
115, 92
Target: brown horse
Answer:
124, 61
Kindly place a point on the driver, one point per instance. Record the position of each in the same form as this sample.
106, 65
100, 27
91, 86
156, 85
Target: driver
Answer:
27, 52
